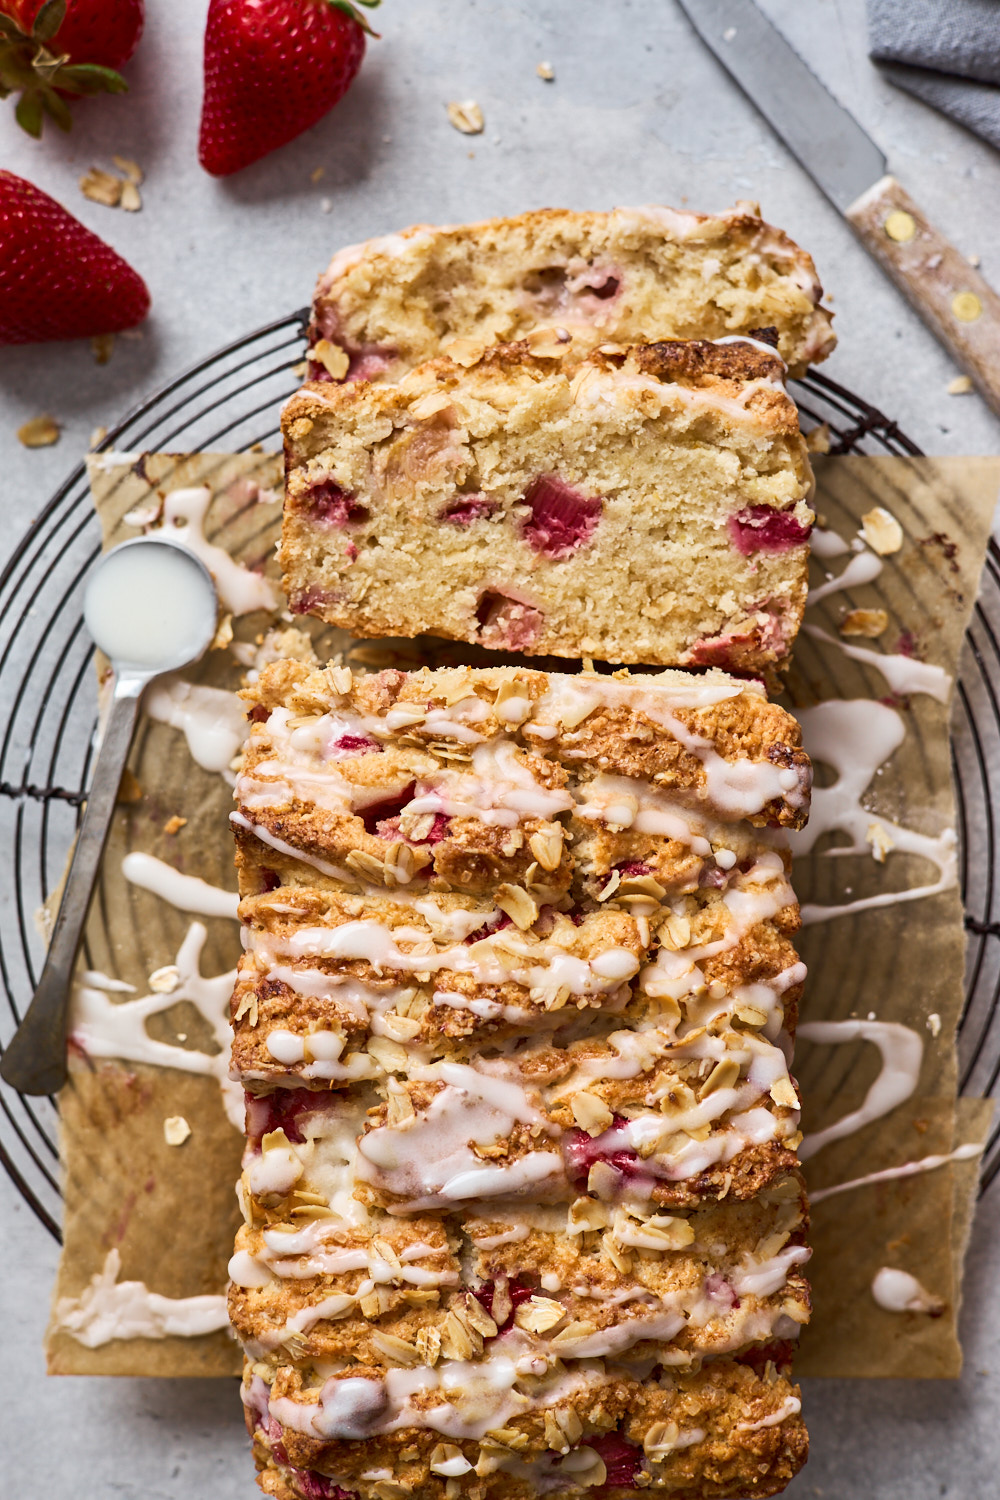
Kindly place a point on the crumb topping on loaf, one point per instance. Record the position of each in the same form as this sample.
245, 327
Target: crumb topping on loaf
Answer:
521, 1199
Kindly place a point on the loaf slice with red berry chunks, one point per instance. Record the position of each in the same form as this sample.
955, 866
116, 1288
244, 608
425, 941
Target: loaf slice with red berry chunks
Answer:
645, 506
630, 276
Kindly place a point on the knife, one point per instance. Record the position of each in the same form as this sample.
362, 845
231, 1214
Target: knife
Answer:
951, 297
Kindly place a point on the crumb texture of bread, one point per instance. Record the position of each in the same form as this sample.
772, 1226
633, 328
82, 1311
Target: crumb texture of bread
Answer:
649, 505
522, 1206
629, 276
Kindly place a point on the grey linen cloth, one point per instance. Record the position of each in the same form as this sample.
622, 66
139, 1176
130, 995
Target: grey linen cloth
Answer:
946, 52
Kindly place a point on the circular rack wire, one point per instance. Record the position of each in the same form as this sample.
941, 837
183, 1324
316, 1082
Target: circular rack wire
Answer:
230, 402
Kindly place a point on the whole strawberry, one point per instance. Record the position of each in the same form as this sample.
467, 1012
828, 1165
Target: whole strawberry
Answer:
272, 69
57, 280
51, 50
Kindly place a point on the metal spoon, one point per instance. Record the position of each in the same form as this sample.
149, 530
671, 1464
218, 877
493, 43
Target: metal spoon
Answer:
150, 606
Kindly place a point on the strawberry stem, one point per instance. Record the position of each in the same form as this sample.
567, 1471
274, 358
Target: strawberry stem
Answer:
33, 66
350, 8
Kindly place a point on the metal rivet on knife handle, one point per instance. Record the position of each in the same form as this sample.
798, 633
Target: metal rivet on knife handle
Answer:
900, 226
966, 306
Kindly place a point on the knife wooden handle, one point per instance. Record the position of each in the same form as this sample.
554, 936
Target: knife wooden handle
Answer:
951, 297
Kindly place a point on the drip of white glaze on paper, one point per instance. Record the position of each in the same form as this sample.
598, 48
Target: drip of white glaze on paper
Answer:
863, 568
240, 590
110, 1309
908, 1169
898, 1291
854, 737
186, 892
102, 1027
212, 721
902, 1054
904, 674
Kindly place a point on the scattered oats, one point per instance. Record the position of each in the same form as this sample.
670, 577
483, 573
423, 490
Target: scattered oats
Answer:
102, 187
174, 825
400, 1028
428, 1345
395, 1349
129, 790
164, 981
448, 1460
880, 842
389, 1054
603, 1181
674, 931
333, 359
518, 905
783, 1093
723, 1076
612, 885
934, 1024
466, 116
130, 201
39, 432
97, 436
176, 1130
131, 169
818, 439
547, 846
455, 1340
223, 634
866, 622
881, 531
586, 1214
301, 370
326, 205
341, 679
588, 1470
590, 1112
545, 70
316, 174
539, 1314
660, 1439
960, 386
641, 885
475, 1315
750, 1015
102, 346
366, 865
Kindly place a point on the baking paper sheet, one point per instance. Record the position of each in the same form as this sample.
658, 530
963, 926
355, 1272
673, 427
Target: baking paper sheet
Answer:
171, 1211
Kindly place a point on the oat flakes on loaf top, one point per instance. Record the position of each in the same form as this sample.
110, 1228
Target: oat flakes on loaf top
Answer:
626, 276
646, 505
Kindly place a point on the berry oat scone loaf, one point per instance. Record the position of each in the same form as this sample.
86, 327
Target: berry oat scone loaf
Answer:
630, 276
649, 505
522, 1205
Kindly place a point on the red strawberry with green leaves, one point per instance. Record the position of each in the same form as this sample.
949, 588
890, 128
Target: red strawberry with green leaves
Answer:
272, 69
57, 279
54, 50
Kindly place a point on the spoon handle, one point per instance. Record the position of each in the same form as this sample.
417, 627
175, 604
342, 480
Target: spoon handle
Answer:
35, 1061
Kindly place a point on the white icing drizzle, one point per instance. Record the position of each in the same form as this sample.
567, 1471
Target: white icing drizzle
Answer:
908, 1169
280, 847
790, 1407
855, 737
186, 892
432, 1164
499, 957
826, 544
212, 721
902, 1054
898, 1291
111, 1309
904, 674
103, 1027
240, 590
863, 568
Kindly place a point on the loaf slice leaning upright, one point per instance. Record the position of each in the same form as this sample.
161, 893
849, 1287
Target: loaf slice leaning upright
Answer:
649, 505
522, 1206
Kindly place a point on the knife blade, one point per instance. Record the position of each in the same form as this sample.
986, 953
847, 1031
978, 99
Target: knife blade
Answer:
846, 164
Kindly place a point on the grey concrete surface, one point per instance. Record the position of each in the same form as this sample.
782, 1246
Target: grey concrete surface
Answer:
638, 113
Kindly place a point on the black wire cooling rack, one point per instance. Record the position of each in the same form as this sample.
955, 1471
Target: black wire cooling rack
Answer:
230, 403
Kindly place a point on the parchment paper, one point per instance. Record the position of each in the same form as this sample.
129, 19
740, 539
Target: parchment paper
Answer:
172, 1211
